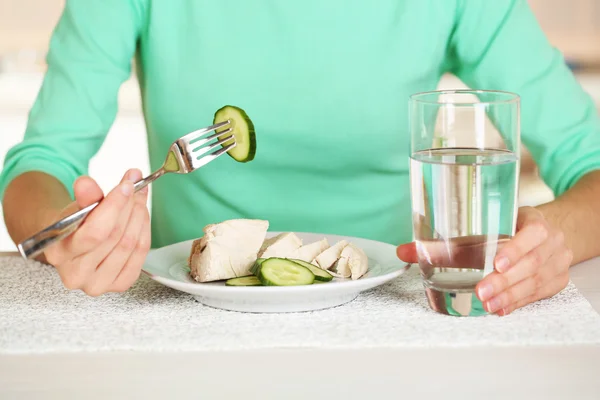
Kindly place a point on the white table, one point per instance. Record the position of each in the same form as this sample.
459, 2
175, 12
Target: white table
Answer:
379, 373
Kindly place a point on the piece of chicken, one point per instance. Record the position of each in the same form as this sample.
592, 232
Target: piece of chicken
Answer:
282, 245
341, 269
310, 251
227, 250
353, 262
329, 257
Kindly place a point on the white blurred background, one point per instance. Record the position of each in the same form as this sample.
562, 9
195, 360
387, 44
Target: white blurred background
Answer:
25, 26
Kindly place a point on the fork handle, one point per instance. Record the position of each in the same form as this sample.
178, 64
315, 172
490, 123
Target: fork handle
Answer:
36, 244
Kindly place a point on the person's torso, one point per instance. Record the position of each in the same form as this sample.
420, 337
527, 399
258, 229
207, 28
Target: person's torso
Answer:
326, 84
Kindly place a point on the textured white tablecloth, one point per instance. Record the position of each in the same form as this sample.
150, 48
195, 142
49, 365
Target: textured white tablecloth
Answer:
37, 315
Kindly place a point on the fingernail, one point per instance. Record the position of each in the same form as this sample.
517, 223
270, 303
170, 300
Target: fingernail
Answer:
133, 175
485, 292
126, 188
502, 264
494, 304
144, 190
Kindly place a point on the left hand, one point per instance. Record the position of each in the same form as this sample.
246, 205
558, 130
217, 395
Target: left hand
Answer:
533, 265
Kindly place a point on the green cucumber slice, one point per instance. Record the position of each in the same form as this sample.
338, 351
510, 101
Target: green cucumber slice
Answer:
243, 131
283, 272
244, 281
256, 267
320, 274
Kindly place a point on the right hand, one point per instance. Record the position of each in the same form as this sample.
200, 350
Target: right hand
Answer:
107, 251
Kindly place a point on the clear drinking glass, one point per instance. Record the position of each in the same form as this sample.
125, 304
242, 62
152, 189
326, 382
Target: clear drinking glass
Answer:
464, 169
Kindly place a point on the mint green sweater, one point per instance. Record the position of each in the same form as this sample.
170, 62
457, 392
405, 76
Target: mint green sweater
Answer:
326, 83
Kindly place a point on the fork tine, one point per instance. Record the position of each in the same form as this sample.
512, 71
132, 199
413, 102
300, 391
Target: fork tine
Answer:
202, 142
201, 132
205, 159
201, 150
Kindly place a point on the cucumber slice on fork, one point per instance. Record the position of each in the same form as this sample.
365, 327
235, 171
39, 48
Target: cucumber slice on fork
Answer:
242, 130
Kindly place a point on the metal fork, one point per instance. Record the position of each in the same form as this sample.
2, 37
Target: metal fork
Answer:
185, 155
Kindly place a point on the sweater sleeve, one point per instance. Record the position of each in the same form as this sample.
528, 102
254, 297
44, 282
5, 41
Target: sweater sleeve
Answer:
89, 57
500, 45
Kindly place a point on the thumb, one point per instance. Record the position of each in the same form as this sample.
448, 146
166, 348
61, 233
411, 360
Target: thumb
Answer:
408, 253
87, 191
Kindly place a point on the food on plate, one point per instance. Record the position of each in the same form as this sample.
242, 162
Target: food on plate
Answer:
320, 274
227, 250
326, 259
281, 245
244, 281
242, 130
256, 266
353, 262
309, 252
237, 251
284, 272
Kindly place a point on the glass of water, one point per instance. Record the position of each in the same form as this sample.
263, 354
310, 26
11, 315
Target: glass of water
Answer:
464, 169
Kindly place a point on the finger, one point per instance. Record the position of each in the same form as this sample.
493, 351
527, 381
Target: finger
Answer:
72, 275
496, 282
102, 220
553, 287
141, 197
529, 286
95, 256
408, 253
109, 268
527, 239
131, 271
528, 215
459, 252
553, 278
514, 294
88, 262
86, 191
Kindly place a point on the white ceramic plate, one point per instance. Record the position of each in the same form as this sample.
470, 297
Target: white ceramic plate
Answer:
168, 265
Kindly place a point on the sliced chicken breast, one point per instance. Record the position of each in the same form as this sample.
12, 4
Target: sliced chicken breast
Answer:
341, 269
310, 251
329, 257
282, 245
355, 261
227, 250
